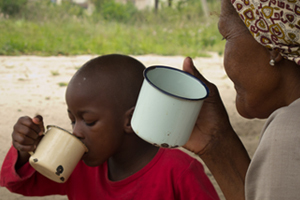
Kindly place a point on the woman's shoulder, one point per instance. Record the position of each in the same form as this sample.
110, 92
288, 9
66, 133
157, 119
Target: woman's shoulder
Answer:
292, 109
285, 117
283, 124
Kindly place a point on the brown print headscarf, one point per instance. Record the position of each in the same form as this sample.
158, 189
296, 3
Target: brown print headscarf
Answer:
274, 24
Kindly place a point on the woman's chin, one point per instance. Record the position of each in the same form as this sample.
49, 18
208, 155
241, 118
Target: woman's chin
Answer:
243, 111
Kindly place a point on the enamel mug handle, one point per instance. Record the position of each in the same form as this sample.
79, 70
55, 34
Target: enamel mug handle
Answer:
32, 152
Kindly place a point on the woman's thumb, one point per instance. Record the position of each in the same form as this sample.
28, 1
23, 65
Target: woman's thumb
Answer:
188, 66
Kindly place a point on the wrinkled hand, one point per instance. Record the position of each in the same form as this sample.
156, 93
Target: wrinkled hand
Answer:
212, 120
27, 133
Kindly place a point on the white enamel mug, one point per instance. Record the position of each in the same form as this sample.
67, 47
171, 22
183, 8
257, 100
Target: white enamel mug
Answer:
168, 105
57, 154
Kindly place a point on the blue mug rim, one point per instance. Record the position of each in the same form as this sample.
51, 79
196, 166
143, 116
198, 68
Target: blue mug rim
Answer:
181, 71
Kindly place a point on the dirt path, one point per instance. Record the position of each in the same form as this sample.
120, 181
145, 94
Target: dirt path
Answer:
31, 85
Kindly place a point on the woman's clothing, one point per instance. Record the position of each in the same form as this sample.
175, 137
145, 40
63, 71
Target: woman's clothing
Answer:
274, 172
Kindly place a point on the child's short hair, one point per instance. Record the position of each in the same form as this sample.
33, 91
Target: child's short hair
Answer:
121, 76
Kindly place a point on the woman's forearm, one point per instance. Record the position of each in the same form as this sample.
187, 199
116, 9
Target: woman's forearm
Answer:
228, 162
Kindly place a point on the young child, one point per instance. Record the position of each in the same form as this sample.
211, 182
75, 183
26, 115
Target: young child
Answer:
119, 165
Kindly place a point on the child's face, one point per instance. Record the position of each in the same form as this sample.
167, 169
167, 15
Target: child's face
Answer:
95, 122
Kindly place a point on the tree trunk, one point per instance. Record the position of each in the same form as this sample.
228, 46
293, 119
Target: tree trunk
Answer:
205, 8
156, 5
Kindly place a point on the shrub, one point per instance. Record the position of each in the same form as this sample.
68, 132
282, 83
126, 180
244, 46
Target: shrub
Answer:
45, 10
114, 11
12, 7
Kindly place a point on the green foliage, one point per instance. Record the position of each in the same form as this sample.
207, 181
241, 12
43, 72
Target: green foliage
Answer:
45, 10
110, 10
98, 3
44, 28
12, 7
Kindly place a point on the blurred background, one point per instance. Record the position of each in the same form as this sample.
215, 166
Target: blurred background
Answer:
44, 42
136, 27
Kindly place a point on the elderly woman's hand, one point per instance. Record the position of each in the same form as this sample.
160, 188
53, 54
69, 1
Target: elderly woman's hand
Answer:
215, 141
212, 121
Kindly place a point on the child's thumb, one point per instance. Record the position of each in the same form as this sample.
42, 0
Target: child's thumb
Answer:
38, 120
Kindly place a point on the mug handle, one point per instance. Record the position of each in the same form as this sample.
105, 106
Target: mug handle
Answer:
32, 152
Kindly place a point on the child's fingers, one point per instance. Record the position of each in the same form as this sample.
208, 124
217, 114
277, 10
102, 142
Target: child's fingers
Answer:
24, 148
24, 138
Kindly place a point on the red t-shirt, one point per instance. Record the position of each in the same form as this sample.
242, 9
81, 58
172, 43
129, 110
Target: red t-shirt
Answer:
171, 174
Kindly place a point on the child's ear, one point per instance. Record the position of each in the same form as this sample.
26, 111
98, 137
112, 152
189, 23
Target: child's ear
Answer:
127, 121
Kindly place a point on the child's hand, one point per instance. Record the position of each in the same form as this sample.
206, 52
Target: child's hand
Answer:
27, 133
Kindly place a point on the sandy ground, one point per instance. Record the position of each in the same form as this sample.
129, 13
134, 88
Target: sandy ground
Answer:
31, 85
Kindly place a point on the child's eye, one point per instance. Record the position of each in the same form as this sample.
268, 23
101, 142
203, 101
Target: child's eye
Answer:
73, 123
90, 124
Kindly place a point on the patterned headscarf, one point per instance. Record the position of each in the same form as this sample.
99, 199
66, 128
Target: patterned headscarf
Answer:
274, 24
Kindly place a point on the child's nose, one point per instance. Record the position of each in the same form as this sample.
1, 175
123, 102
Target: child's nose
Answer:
77, 131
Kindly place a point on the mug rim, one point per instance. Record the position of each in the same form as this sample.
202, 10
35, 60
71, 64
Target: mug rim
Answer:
49, 126
181, 71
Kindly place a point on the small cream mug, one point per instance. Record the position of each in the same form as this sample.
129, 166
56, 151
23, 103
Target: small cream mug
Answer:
168, 105
57, 154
